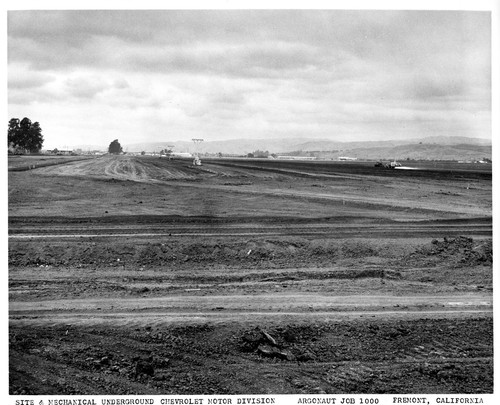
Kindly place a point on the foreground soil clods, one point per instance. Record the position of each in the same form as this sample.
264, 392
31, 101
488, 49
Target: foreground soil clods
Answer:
262, 343
439, 355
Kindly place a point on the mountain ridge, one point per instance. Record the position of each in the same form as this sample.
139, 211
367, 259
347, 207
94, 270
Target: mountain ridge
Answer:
438, 147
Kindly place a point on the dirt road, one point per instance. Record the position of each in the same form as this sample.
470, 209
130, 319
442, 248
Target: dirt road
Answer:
287, 302
188, 309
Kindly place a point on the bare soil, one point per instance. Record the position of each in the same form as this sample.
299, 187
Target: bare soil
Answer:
133, 275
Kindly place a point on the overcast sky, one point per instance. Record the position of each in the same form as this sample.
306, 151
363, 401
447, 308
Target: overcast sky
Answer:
90, 77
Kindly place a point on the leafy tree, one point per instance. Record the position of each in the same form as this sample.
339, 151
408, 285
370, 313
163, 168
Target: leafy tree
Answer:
261, 154
25, 135
115, 147
13, 131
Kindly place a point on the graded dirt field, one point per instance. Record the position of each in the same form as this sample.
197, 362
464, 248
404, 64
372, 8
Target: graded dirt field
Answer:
140, 275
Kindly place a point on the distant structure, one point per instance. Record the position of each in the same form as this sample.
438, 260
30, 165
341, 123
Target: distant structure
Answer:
62, 152
181, 154
167, 152
347, 158
284, 157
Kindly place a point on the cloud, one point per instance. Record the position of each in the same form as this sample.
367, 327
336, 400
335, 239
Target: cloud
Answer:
257, 72
89, 87
21, 78
85, 87
273, 39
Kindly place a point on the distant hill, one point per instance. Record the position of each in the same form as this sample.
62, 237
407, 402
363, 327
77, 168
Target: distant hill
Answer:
232, 146
438, 148
415, 151
453, 140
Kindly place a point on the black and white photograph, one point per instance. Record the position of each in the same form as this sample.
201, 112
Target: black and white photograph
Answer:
264, 201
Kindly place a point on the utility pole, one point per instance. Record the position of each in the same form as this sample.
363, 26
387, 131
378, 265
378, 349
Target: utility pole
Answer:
196, 161
169, 151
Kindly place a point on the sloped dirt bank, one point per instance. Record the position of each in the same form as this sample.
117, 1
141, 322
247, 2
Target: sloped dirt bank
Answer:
247, 251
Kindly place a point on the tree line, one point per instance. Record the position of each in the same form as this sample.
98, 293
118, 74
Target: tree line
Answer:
24, 136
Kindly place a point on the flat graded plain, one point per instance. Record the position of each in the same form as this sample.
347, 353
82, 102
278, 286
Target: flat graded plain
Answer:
141, 275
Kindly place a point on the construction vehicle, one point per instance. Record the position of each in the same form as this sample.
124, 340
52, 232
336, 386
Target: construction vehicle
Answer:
390, 165
393, 165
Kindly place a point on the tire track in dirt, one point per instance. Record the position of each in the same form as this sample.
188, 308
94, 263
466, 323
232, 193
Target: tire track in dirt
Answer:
158, 319
282, 300
409, 230
118, 167
290, 172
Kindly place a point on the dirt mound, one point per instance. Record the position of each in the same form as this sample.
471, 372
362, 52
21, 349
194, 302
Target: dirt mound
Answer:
262, 253
459, 252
